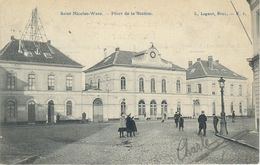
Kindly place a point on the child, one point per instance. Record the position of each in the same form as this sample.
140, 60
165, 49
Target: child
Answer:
181, 121
122, 126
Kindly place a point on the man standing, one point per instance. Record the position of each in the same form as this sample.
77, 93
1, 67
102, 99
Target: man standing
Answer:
176, 119
181, 121
215, 123
202, 123
233, 116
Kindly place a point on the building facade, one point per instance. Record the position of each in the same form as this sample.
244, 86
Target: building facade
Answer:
140, 83
37, 83
254, 59
147, 86
202, 82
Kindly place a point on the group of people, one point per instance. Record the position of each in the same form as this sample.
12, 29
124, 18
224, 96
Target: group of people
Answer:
127, 125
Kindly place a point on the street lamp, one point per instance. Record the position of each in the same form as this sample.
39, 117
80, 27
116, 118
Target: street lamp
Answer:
223, 124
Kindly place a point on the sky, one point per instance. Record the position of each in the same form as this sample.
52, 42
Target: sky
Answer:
181, 30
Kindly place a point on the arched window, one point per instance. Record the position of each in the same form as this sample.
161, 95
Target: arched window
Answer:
51, 82
141, 84
11, 109
179, 107
123, 107
164, 107
69, 83
69, 108
153, 108
163, 86
178, 86
141, 107
152, 85
123, 83
240, 107
31, 81
231, 107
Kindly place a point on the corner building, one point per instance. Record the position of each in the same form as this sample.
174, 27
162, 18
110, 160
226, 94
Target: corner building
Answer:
38, 82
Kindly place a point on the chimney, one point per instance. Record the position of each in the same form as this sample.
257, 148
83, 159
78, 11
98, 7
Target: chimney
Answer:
210, 62
105, 52
190, 63
12, 38
117, 49
49, 41
198, 59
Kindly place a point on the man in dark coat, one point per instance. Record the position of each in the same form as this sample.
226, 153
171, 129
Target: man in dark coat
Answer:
133, 126
233, 116
129, 125
202, 123
215, 123
181, 122
176, 119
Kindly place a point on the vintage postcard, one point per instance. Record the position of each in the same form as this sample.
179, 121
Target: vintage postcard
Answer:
129, 82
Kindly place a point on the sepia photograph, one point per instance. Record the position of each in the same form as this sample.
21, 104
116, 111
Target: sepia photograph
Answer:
129, 82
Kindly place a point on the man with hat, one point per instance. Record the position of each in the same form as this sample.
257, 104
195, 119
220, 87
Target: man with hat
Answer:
202, 123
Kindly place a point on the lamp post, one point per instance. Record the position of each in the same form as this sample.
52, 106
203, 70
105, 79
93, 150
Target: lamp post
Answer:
223, 124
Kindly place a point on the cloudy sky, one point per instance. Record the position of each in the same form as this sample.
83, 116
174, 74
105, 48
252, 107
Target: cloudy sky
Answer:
179, 29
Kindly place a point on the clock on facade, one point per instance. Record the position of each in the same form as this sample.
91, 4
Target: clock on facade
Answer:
153, 54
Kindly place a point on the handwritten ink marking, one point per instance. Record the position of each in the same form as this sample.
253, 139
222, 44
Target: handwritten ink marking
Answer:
183, 150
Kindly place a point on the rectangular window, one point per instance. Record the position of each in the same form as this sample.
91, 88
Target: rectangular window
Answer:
189, 88
178, 86
213, 88
231, 89
10, 81
199, 88
69, 83
240, 90
31, 81
51, 82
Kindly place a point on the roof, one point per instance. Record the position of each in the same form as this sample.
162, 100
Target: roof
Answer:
35, 52
201, 69
125, 58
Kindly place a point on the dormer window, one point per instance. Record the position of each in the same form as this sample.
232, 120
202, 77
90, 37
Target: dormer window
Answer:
47, 55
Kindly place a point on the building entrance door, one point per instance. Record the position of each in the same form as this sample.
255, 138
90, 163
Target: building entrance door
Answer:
51, 112
97, 110
31, 112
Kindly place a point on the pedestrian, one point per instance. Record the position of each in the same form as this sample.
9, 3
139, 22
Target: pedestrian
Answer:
129, 126
83, 117
202, 123
176, 119
145, 115
164, 116
215, 123
122, 125
181, 122
233, 116
58, 118
134, 129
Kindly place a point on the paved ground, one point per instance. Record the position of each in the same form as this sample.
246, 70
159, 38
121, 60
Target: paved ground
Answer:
155, 142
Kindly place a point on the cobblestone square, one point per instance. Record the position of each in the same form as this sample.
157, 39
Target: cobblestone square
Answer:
99, 143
